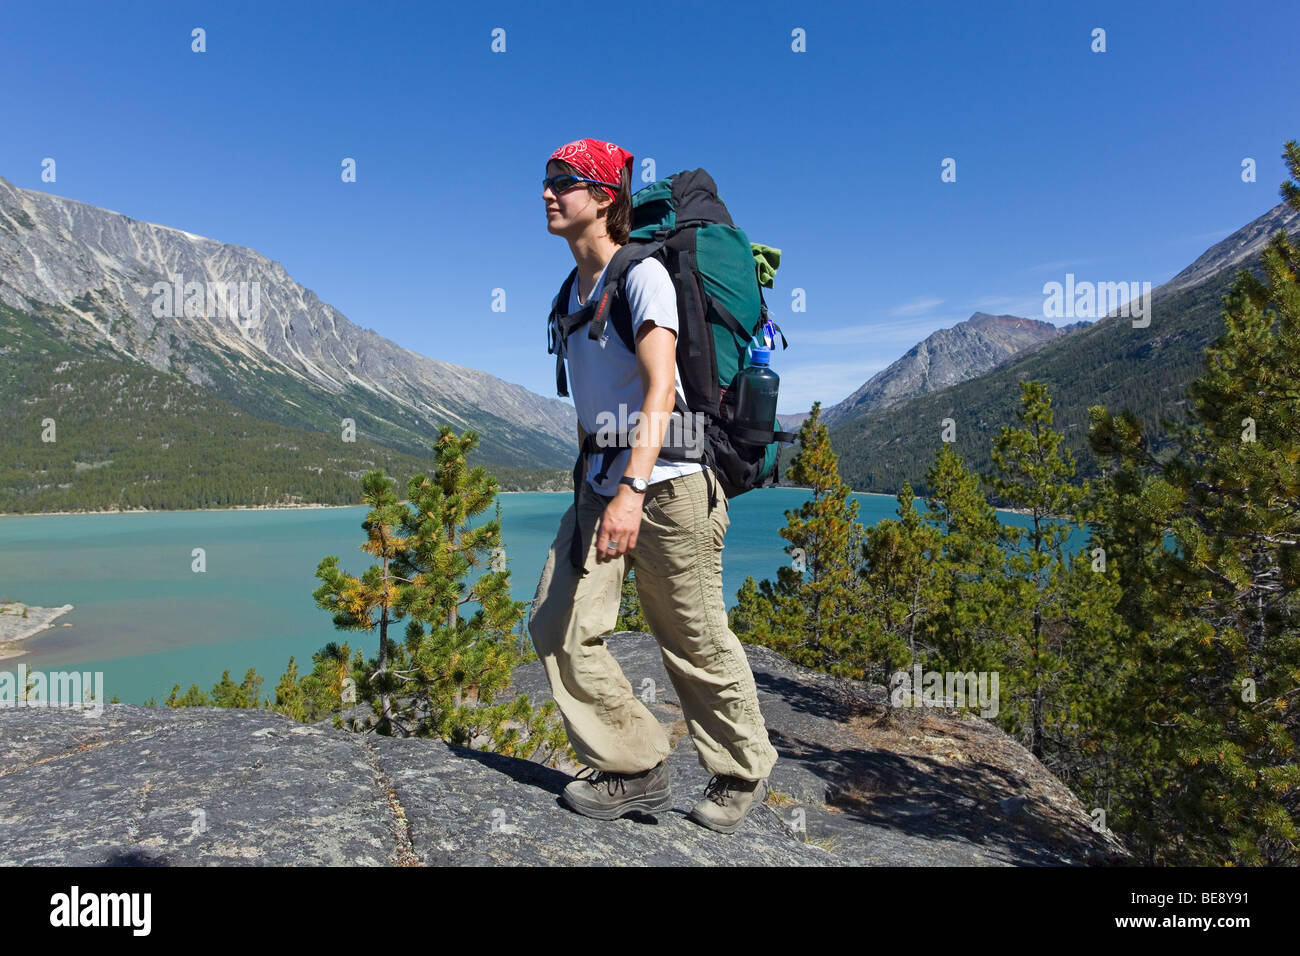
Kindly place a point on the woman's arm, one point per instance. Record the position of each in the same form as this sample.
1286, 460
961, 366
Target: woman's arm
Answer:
656, 354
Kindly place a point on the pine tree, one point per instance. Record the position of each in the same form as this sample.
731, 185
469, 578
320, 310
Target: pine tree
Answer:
630, 617
226, 693
194, 697
251, 687
1220, 622
1033, 475
1133, 775
1082, 744
355, 601
323, 688
456, 669
964, 631
440, 681
900, 564
288, 694
1239, 537
750, 617
30, 686
814, 614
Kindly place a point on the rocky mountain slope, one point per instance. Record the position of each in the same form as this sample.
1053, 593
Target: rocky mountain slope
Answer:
1109, 362
965, 351
245, 331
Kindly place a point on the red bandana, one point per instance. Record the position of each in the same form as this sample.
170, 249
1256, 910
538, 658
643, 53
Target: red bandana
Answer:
596, 159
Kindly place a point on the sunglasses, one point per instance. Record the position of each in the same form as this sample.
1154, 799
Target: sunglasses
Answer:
564, 182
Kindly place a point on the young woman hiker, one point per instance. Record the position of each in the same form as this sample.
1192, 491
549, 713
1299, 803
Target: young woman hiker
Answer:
667, 519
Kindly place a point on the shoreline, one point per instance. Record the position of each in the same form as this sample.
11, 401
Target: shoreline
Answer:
171, 511
14, 628
299, 507
188, 511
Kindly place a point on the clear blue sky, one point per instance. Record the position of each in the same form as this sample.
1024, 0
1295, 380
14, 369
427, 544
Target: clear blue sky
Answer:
1123, 165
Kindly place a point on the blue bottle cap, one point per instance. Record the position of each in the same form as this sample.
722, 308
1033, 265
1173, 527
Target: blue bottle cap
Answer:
759, 356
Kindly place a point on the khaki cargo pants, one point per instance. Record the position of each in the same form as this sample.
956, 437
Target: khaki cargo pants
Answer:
678, 563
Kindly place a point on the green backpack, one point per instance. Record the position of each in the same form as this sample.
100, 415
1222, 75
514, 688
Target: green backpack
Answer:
718, 274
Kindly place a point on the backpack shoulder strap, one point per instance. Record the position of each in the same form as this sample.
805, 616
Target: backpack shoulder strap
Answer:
558, 327
566, 290
619, 311
612, 305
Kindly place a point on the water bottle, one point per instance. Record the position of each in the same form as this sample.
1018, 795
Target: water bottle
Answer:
756, 388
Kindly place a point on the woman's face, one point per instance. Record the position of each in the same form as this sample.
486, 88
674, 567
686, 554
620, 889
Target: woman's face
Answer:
570, 213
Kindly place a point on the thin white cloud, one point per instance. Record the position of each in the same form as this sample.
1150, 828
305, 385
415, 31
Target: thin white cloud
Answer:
871, 333
990, 302
907, 332
916, 306
1059, 265
1217, 235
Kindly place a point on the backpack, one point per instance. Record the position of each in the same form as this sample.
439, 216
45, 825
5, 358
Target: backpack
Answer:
720, 307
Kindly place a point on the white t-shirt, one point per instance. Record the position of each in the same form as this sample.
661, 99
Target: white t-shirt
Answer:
603, 374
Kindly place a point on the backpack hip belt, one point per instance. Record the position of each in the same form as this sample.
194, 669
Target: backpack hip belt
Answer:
590, 446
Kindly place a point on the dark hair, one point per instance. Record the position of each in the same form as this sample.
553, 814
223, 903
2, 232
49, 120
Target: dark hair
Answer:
618, 217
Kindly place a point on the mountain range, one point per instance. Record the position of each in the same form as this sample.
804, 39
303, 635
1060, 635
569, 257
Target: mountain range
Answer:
965, 351
1109, 362
285, 356
186, 372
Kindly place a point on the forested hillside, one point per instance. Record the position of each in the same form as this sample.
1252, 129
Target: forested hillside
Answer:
1111, 363
128, 436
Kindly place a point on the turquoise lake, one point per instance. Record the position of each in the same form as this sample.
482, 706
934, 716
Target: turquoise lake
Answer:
147, 621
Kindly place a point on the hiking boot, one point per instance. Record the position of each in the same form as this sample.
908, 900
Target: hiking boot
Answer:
727, 800
607, 796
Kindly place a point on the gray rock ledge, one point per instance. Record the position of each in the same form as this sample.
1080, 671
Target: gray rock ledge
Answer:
211, 786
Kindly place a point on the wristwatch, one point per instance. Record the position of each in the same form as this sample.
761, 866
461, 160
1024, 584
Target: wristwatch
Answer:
639, 485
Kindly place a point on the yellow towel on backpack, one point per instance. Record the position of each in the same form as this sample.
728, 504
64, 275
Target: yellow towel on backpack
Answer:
766, 260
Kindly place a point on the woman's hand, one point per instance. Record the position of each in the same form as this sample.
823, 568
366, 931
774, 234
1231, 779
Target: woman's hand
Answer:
620, 523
